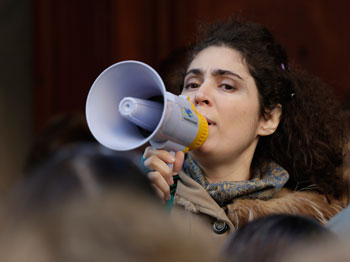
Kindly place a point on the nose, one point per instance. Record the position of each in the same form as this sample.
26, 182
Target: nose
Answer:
202, 96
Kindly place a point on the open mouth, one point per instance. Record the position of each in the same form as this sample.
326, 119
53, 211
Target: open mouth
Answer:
210, 123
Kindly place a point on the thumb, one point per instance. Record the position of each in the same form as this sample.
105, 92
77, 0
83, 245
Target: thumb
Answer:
179, 160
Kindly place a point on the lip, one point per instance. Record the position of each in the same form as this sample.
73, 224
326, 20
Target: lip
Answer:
210, 122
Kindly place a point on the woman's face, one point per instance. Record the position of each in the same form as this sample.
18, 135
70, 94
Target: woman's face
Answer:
220, 86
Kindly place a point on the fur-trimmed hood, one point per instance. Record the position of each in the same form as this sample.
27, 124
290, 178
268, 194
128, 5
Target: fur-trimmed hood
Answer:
306, 203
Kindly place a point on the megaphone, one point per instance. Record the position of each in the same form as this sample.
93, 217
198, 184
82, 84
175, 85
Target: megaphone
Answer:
128, 106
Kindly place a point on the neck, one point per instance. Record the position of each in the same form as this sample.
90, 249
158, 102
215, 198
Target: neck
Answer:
232, 169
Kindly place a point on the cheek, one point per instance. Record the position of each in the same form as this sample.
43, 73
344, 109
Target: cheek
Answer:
240, 119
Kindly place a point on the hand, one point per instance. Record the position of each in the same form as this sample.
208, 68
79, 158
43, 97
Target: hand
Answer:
161, 176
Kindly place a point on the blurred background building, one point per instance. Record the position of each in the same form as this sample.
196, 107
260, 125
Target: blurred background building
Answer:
52, 50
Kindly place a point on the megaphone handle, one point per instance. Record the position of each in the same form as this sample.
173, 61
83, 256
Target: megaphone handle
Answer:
173, 154
169, 146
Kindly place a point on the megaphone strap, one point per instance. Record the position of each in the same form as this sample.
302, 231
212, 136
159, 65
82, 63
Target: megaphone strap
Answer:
144, 169
169, 204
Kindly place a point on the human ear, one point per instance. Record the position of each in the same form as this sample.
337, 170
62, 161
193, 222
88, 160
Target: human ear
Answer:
268, 126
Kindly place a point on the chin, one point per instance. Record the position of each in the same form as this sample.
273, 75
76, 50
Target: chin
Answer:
204, 149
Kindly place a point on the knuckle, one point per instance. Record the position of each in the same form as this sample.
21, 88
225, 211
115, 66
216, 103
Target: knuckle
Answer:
152, 176
148, 151
155, 178
152, 161
166, 190
169, 173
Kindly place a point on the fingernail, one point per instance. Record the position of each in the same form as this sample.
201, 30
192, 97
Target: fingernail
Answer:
171, 159
168, 197
171, 181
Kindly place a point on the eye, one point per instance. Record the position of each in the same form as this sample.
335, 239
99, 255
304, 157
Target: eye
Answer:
191, 85
227, 87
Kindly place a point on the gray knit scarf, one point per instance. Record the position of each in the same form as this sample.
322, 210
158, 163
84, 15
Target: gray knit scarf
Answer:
261, 186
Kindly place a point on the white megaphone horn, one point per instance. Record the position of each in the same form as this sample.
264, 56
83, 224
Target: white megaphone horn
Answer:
128, 106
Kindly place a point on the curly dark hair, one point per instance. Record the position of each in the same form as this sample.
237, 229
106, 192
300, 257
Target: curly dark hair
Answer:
309, 142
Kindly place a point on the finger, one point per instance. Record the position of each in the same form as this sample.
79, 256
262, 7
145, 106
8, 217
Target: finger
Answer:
158, 192
156, 164
161, 154
159, 182
180, 157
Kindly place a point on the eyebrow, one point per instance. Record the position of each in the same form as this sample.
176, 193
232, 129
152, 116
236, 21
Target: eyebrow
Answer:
214, 72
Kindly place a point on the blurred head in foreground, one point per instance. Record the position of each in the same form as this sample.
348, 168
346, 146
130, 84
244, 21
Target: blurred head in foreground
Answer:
118, 226
87, 203
79, 169
272, 238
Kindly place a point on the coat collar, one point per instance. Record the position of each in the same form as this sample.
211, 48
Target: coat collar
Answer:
194, 198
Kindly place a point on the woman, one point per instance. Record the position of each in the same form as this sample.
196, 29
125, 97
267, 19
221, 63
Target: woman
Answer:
276, 137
